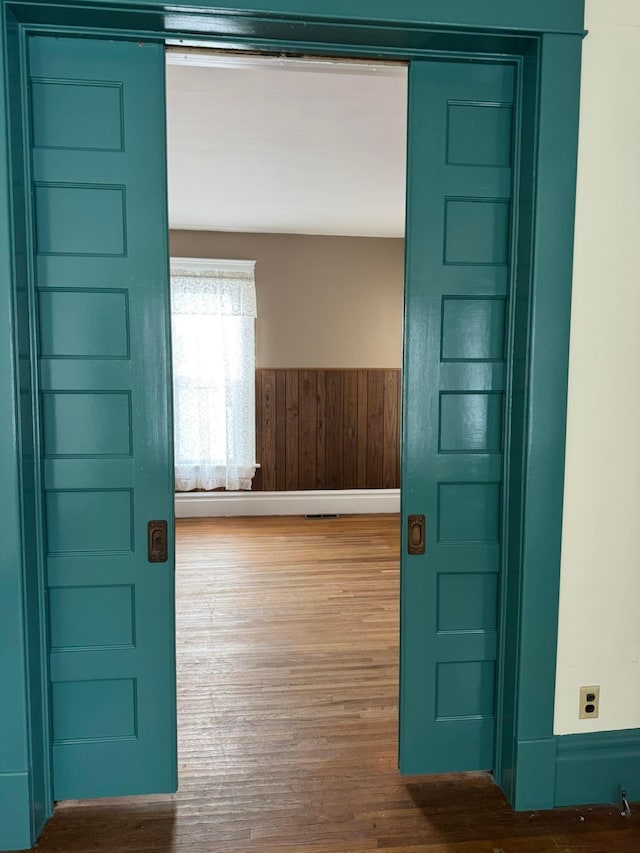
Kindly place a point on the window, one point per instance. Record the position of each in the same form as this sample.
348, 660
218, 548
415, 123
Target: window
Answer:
213, 310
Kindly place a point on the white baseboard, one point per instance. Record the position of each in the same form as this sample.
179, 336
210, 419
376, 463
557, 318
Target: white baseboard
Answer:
343, 502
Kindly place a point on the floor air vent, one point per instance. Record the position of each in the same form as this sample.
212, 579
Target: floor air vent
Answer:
314, 516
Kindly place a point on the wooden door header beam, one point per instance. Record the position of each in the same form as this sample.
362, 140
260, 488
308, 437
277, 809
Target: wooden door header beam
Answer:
225, 25
509, 16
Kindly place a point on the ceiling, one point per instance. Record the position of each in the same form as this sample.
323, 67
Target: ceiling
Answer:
271, 145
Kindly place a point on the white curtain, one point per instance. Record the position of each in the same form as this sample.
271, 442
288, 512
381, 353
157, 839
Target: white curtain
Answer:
213, 336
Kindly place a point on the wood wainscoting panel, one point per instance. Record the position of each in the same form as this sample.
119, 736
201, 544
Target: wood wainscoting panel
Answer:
327, 429
307, 428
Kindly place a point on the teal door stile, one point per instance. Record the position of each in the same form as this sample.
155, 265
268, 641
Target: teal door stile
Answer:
457, 269
101, 261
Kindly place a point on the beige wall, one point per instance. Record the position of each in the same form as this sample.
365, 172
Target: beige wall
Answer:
322, 301
599, 638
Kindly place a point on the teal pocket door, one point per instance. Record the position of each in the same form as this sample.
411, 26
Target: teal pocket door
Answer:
100, 254
461, 118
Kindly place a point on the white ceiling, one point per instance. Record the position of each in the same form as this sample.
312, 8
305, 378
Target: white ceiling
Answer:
286, 146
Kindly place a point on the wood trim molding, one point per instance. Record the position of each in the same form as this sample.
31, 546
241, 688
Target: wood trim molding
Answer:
333, 502
541, 304
596, 767
212, 264
16, 818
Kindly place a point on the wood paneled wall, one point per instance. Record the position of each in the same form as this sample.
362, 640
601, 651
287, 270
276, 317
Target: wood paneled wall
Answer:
327, 429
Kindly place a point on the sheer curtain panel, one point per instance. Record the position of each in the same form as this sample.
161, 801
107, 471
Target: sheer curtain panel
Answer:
213, 311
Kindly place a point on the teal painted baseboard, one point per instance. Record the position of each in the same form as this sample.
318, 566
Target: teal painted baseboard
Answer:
594, 768
575, 770
534, 781
15, 819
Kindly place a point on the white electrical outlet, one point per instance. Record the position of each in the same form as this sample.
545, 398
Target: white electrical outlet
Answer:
589, 702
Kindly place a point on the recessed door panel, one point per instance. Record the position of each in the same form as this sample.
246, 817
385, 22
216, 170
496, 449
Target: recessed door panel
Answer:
80, 219
60, 110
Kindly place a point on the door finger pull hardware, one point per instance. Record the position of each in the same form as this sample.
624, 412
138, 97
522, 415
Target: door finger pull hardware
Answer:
416, 538
157, 541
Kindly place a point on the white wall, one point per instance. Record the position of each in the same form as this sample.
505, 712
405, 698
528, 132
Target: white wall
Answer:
599, 637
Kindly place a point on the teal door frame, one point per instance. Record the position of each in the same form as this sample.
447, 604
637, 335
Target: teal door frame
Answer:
544, 41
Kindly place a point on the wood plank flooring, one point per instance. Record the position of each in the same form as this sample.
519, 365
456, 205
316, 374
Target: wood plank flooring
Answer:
287, 671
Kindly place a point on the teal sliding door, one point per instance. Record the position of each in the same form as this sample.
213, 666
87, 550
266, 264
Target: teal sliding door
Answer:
461, 119
100, 224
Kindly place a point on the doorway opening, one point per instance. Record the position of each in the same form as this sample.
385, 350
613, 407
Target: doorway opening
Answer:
457, 286
287, 591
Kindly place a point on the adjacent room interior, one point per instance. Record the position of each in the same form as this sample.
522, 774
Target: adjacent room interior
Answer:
286, 208
286, 205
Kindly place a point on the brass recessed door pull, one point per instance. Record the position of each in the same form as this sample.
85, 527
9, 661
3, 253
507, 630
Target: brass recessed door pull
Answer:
416, 537
157, 541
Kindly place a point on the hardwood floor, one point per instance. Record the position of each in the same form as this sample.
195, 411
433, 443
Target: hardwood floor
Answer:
287, 675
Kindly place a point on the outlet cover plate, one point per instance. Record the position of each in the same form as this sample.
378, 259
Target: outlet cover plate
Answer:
589, 697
